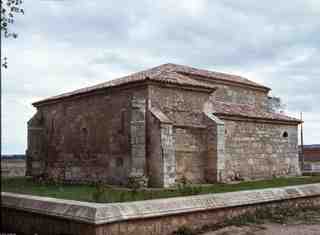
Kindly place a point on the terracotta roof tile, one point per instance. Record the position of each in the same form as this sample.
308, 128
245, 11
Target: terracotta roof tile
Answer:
167, 73
249, 111
214, 75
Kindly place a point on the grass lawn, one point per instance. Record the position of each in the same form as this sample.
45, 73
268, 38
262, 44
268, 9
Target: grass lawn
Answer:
108, 194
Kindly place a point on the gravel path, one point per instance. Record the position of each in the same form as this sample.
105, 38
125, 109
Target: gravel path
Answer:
269, 229
306, 222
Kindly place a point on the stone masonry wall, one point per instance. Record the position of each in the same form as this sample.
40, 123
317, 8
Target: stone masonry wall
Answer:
90, 138
25, 214
37, 145
168, 155
155, 165
106, 137
25, 223
161, 160
138, 135
260, 150
212, 154
238, 95
202, 219
185, 109
191, 154
215, 165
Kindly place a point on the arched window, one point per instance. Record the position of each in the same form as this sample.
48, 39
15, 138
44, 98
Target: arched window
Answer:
285, 134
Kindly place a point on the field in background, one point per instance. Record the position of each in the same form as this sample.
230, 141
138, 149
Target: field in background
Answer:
13, 165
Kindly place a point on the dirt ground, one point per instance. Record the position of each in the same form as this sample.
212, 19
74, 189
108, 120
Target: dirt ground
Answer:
269, 229
304, 223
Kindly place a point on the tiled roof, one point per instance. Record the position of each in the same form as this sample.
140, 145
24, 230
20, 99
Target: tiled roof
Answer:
249, 111
214, 75
166, 73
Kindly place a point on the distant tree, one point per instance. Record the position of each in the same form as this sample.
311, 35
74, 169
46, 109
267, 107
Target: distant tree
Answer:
9, 9
276, 104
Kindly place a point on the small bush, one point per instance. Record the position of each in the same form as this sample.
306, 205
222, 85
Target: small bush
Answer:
122, 197
99, 194
183, 231
186, 189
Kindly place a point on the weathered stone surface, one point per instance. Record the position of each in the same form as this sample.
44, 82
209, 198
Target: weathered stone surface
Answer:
161, 216
164, 127
36, 145
99, 213
154, 150
168, 155
89, 138
138, 139
215, 166
161, 150
240, 95
184, 109
259, 150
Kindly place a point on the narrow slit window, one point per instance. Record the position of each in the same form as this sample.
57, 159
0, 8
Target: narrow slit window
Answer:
119, 162
85, 135
52, 126
123, 121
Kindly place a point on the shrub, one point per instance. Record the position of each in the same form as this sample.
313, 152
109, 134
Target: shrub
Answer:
183, 231
99, 194
186, 189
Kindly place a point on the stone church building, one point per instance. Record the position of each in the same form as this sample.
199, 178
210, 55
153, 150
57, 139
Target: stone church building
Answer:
165, 124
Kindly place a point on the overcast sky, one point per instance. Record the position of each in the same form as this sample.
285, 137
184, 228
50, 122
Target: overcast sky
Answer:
69, 44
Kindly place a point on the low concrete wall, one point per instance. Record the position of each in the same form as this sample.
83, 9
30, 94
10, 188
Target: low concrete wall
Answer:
32, 214
13, 167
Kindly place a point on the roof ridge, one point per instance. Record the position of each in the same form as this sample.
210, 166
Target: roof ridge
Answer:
157, 71
215, 74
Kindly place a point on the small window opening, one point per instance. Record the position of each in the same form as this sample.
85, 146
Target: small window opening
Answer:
84, 131
123, 121
119, 162
84, 138
52, 125
84, 134
285, 134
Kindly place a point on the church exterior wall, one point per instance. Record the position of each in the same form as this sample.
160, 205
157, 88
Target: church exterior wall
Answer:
191, 154
182, 107
185, 109
260, 150
161, 132
89, 138
154, 150
239, 95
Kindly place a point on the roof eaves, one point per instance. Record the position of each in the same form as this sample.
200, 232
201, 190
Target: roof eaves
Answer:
83, 93
221, 115
257, 86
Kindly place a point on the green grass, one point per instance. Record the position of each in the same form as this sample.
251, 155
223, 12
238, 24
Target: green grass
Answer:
103, 193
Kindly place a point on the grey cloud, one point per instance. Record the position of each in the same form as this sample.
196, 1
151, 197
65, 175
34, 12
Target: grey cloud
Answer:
68, 44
